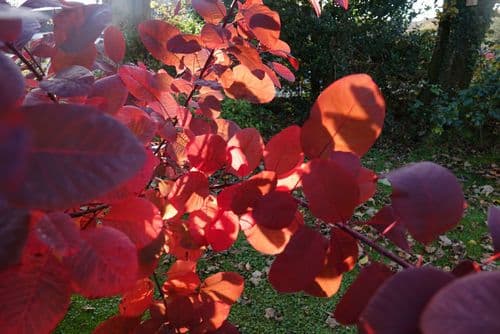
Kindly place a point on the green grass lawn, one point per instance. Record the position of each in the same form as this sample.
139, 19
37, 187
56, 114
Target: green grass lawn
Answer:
262, 310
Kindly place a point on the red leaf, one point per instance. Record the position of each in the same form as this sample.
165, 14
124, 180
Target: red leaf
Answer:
114, 44
187, 195
347, 116
11, 90
85, 58
113, 92
360, 292
14, 145
223, 287
69, 82
137, 300
466, 267
80, 152
316, 7
332, 193
343, 3
14, 227
140, 82
60, 233
214, 36
283, 71
275, 210
138, 121
106, 264
184, 43
223, 231
135, 185
118, 324
270, 241
34, 297
10, 27
212, 11
397, 305
138, 218
226, 128
253, 86
494, 226
306, 249
263, 23
243, 196
154, 35
387, 223
467, 305
244, 151
207, 153
181, 279
427, 199
283, 152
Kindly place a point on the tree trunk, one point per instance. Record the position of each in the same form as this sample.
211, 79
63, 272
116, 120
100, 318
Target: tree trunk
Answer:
460, 33
129, 13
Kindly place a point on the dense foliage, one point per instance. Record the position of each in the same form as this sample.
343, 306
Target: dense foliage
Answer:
107, 166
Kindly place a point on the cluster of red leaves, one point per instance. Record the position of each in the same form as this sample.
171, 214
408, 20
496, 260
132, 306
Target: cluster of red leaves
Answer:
88, 207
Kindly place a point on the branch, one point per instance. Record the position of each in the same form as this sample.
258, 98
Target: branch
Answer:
34, 61
95, 209
364, 239
30, 66
158, 285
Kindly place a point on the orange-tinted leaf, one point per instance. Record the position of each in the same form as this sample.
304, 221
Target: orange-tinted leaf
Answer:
283, 152
212, 11
244, 151
106, 264
270, 241
223, 287
140, 82
114, 44
181, 278
263, 23
137, 300
347, 116
255, 87
306, 249
427, 199
85, 58
360, 291
207, 153
244, 196
283, 71
138, 121
226, 128
331, 191
223, 231
214, 36
154, 35
188, 194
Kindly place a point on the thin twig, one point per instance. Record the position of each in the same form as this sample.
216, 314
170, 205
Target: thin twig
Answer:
364, 239
30, 66
33, 59
90, 210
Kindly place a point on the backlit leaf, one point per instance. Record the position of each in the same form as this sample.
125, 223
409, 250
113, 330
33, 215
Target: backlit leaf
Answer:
244, 151
331, 191
135, 301
114, 44
306, 249
347, 116
255, 87
212, 11
283, 152
106, 264
207, 153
